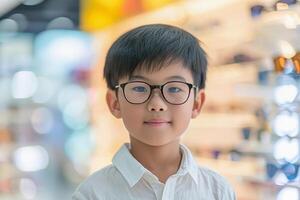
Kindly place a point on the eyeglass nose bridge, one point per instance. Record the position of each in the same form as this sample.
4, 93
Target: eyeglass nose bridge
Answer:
156, 86
160, 87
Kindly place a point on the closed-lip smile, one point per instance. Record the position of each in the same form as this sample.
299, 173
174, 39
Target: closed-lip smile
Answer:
156, 121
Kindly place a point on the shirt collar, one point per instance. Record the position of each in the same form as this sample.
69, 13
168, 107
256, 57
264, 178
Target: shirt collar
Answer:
188, 163
133, 171
129, 167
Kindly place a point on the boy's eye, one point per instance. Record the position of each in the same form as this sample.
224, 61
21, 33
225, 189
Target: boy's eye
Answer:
139, 89
174, 89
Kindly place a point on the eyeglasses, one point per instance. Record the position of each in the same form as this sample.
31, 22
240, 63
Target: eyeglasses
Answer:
174, 92
281, 63
290, 170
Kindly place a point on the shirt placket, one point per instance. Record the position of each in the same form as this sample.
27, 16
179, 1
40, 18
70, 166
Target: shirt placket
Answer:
169, 190
155, 185
158, 190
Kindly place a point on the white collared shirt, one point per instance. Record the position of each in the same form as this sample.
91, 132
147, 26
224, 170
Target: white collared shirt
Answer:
127, 179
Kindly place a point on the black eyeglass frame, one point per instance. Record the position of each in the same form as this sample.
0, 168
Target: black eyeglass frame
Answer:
152, 87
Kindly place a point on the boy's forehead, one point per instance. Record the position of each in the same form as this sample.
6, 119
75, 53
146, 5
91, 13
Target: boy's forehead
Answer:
147, 78
175, 71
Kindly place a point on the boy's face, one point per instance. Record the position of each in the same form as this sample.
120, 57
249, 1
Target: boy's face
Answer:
169, 121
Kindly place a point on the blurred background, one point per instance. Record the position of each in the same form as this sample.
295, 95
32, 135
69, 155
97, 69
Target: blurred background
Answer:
55, 128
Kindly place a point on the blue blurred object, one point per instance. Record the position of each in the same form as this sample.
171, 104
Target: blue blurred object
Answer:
246, 132
256, 10
59, 52
271, 170
216, 153
289, 2
263, 77
290, 170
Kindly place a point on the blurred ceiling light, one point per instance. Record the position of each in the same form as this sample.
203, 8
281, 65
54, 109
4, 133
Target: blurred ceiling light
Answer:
61, 23
31, 158
284, 94
286, 149
288, 193
24, 84
28, 188
287, 50
42, 120
286, 123
32, 2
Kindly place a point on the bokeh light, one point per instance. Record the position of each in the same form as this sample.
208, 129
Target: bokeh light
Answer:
286, 123
61, 51
285, 93
280, 179
31, 158
286, 149
24, 84
288, 193
73, 102
42, 120
28, 188
79, 147
46, 90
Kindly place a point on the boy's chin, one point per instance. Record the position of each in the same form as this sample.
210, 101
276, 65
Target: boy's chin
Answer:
152, 143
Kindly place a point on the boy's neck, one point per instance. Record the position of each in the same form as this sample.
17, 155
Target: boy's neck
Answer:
162, 161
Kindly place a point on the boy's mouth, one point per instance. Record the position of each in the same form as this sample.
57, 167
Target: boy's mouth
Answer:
157, 122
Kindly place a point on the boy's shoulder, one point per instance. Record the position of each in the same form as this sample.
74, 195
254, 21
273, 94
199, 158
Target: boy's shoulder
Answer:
215, 182
100, 174
99, 183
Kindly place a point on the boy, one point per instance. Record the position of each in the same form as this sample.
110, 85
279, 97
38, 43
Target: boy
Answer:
156, 77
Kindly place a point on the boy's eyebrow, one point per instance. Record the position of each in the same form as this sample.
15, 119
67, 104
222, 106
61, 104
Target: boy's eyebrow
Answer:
133, 77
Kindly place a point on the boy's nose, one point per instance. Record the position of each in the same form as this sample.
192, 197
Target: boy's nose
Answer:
156, 102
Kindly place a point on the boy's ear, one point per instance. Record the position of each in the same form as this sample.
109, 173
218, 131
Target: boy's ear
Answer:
113, 103
198, 103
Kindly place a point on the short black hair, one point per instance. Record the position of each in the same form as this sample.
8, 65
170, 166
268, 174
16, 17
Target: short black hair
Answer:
151, 47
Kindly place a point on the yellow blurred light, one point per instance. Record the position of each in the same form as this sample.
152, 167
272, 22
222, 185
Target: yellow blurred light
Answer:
154, 4
108, 5
94, 19
98, 14
282, 6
